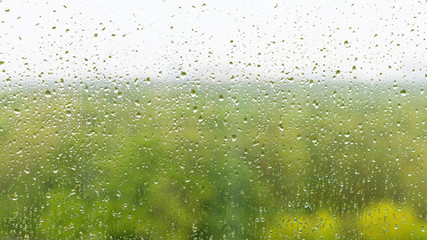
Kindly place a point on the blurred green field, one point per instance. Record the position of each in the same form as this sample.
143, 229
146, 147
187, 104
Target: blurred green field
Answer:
138, 159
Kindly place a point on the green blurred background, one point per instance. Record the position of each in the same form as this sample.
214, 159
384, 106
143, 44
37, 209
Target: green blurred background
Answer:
138, 159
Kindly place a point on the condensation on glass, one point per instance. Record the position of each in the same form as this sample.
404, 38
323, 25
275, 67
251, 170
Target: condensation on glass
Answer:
213, 120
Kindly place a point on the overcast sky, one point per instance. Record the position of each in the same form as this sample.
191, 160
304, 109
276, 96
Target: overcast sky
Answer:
214, 39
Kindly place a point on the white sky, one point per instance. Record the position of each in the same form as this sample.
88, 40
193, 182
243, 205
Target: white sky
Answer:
201, 38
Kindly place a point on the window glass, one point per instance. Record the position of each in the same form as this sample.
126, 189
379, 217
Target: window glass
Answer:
213, 119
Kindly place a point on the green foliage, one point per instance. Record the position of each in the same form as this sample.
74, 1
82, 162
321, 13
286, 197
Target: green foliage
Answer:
385, 220
321, 225
181, 162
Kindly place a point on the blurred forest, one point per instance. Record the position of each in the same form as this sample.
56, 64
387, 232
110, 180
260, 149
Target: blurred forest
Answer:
138, 159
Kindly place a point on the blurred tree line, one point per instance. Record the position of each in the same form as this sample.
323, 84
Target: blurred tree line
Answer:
191, 160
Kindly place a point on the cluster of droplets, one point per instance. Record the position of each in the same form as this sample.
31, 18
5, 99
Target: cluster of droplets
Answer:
137, 126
